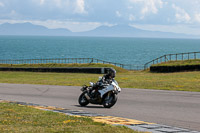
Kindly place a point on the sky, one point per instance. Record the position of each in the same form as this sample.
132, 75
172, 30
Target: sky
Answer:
179, 16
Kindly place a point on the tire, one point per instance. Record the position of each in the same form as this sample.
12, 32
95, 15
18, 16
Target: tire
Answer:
108, 103
83, 100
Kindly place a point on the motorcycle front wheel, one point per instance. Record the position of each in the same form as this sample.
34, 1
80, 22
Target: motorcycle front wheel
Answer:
110, 100
83, 100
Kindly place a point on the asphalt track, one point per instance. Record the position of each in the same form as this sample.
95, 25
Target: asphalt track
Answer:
172, 108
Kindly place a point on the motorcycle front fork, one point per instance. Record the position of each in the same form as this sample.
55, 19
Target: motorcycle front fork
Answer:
108, 96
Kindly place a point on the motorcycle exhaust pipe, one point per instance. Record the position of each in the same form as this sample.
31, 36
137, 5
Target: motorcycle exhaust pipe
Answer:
86, 95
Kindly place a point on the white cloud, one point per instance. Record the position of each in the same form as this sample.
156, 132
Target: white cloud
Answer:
11, 14
65, 6
181, 15
53, 3
118, 14
130, 7
2, 4
80, 7
42, 2
131, 17
197, 17
148, 6
60, 3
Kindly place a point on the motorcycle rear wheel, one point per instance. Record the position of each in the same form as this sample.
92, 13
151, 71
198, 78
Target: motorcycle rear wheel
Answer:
108, 103
83, 100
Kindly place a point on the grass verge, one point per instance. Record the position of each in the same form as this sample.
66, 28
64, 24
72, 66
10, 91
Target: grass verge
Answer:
23, 119
182, 81
179, 63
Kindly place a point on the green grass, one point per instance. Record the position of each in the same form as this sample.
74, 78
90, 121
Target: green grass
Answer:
179, 63
118, 69
182, 81
23, 119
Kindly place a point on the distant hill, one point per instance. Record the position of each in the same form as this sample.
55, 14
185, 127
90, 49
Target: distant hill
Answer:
128, 31
104, 31
30, 29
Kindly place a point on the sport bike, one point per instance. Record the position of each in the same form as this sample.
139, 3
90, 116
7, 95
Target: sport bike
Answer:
100, 93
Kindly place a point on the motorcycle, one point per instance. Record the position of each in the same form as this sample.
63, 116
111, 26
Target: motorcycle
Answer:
104, 94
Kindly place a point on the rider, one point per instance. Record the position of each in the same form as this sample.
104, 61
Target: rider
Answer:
106, 79
109, 76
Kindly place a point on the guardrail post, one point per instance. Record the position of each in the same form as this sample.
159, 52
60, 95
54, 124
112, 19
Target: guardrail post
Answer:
92, 60
144, 66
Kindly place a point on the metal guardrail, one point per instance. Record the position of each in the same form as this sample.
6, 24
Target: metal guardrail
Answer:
70, 61
173, 57
164, 58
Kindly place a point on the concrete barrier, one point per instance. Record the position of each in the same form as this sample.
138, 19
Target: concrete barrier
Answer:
98, 70
166, 69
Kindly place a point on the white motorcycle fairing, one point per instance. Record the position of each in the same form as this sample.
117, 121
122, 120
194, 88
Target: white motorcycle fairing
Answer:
111, 87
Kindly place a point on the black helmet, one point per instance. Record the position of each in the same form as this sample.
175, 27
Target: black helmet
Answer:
111, 72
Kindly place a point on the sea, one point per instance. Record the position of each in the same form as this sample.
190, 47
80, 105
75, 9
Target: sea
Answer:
113, 49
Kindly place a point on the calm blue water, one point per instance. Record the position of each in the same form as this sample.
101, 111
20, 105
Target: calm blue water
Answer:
120, 50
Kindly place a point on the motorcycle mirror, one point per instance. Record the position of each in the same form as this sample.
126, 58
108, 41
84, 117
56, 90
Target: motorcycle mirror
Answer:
91, 84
